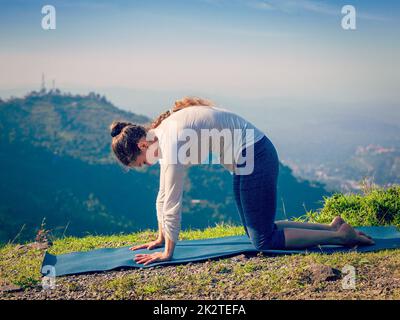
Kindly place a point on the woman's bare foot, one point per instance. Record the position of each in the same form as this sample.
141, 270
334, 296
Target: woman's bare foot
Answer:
337, 223
351, 237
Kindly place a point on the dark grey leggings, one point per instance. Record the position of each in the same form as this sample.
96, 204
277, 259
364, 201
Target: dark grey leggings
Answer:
255, 196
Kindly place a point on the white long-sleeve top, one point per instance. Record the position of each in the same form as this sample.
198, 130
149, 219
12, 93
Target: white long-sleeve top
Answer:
188, 137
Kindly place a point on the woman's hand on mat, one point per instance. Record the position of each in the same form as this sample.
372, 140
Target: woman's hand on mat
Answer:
150, 245
152, 257
157, 256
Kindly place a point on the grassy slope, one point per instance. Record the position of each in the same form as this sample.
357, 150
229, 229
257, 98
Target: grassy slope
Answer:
257, 277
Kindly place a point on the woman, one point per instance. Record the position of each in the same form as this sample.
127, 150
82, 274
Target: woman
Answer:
249, 155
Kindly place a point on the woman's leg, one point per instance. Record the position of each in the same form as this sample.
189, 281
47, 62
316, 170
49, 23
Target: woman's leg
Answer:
236, 193
333, 226
304, 238
258, 193
258, 196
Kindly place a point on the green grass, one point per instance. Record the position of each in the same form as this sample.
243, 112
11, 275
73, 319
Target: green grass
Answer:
375, 207
127, 286
20, 266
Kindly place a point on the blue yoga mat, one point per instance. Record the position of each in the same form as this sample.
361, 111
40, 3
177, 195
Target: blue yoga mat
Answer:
195, 250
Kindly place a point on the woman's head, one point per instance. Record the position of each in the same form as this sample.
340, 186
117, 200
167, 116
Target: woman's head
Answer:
129, 142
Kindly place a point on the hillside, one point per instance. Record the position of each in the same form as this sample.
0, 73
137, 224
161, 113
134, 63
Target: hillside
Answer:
65, 124
57, 164
375, 162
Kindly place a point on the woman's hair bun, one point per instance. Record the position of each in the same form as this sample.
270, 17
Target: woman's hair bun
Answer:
117, 126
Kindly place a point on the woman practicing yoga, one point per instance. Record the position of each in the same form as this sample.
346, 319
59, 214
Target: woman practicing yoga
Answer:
186, 135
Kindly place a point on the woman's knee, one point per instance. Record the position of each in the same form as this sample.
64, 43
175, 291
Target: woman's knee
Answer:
273, 241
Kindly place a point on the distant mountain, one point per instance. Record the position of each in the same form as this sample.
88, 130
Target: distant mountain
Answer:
57, 164
378, 164
66, 125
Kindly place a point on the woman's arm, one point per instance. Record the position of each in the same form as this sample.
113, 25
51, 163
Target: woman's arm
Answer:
169, 248
152, 244
159, 208
169, 206
160, 232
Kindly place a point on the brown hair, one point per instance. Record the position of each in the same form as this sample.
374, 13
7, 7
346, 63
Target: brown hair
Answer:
126, 135
179, 105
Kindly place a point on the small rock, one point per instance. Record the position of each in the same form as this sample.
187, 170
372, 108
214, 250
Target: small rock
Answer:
320, 272
241, 257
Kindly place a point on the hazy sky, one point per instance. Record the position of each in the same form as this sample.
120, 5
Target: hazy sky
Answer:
295, 49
